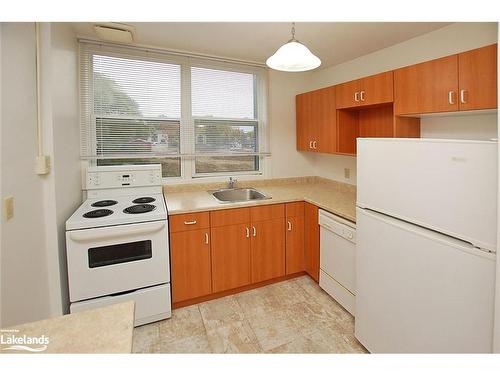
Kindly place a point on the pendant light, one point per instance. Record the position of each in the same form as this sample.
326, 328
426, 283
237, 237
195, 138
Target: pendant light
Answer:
293, 57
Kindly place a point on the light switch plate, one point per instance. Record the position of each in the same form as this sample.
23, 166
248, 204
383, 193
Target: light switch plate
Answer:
8, 206
42, 164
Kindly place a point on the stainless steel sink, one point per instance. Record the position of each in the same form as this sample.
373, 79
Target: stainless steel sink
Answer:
238, 195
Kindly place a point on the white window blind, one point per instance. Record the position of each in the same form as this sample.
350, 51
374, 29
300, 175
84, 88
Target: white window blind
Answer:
132, 112
131, 109
224, 109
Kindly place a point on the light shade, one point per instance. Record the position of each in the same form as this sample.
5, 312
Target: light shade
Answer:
293, 57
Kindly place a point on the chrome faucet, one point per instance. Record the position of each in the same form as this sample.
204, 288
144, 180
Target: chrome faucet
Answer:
232, 182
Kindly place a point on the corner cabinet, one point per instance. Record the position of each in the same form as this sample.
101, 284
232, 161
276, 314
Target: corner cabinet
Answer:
311, 233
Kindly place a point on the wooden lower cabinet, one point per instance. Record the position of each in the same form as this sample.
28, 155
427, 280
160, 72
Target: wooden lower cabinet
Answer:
294, 244
268, 249
242, 247
191, 268
230, 257
311, 235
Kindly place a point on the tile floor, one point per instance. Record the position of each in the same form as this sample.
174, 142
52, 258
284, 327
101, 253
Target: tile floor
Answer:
293, 316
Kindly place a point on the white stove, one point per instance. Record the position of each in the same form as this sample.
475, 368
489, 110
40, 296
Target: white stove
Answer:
117, 242
118, 210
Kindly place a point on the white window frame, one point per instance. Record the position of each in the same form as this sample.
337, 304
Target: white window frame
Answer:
187, 139
262, 132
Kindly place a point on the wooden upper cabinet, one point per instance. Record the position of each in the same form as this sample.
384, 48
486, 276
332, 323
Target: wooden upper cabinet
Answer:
375, 89
427, 87
191, 267
326, 121
477, 78
347, 94
316, 121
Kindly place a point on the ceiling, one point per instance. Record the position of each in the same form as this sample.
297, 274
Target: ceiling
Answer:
332, 42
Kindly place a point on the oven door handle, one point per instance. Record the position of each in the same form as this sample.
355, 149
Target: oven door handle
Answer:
115, 232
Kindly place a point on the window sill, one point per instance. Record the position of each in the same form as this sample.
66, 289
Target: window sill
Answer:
208, 178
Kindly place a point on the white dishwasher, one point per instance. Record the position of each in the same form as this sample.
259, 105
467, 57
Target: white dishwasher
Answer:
337, 274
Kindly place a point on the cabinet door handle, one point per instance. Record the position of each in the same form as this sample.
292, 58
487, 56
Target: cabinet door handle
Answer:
362, 96
289, 226
254, 231
190, 222
314, 144
206, 238
248, 232
450, 97
356, 96
310, 144
462, 96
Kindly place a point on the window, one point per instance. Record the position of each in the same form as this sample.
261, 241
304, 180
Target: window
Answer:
197, 120
225, 120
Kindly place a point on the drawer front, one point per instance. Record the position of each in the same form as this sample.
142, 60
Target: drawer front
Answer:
184, 222
294, 209
230, 217
268, 212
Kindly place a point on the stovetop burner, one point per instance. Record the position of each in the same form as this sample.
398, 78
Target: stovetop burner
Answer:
104, 203
143, 200
139, 209
97, 213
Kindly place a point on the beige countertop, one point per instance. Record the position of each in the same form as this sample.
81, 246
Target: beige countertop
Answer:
335, 197
103, 330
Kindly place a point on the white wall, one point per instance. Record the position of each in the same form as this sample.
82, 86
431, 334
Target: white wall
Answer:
61, 135
465, 126
24, 279
285, 160
33, 262
1, 195
451, 39
496, 333
66, 136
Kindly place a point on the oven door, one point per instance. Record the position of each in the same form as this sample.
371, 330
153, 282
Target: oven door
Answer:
104, 261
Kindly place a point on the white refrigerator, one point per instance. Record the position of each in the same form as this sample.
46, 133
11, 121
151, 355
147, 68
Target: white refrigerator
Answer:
426, 245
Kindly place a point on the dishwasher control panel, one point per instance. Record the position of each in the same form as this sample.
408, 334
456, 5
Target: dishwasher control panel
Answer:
337, 225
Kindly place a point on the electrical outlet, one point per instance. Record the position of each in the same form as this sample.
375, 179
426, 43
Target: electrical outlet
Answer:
347, 173
8, 206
